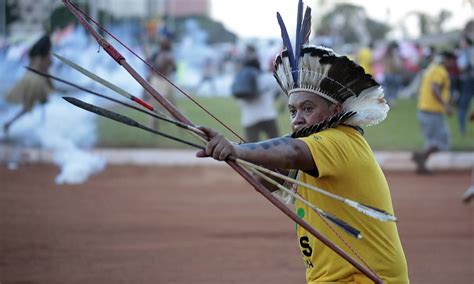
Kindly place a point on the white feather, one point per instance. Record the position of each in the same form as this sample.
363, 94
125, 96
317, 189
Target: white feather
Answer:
370, 107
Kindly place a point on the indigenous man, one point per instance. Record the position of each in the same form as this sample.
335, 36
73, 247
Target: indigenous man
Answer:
32, 88
329, 98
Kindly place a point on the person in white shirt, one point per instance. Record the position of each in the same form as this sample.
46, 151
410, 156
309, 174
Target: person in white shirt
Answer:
258, 114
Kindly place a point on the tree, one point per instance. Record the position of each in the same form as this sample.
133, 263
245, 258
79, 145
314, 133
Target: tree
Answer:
217, 33
427, 24
61, 17
348, 23
12, 12
441, 20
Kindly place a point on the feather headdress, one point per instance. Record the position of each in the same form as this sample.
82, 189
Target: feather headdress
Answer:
336, 78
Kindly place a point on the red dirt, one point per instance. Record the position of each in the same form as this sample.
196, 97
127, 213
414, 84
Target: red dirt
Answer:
200, 225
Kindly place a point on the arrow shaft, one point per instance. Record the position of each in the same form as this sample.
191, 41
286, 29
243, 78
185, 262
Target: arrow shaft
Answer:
125, 120
161, 117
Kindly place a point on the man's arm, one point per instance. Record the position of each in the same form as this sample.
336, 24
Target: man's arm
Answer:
279, 153
436, 88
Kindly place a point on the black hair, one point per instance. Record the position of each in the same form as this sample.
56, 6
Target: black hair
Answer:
250, 48
448, 54
393, 45
468, 40
252, 62
41, 48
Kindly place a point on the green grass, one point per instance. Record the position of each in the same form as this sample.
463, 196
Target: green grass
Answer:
400, 131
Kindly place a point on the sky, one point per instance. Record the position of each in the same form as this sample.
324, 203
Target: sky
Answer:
257, 18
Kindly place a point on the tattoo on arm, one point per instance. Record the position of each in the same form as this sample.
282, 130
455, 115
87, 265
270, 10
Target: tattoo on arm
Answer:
251, 146
266, 145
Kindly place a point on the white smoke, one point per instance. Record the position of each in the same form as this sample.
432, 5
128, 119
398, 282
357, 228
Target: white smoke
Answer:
64, 130
69, 132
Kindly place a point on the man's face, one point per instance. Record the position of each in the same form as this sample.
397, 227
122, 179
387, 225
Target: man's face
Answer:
307, 109
449, 62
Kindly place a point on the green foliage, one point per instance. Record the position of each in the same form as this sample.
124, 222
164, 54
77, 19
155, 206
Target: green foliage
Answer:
12, 12
342, 17
217, 33
400, 131
61, 17
377, 29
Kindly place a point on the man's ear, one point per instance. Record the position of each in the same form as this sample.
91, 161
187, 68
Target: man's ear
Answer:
337, 108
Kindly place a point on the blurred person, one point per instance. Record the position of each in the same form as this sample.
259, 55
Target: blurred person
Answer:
250, 53
329, 151
281, 100
425, 57
32, 88
165, 63
364, 58
466, 66
207, 76
469, 193
258, 114
433, 106
455, 79
392, 66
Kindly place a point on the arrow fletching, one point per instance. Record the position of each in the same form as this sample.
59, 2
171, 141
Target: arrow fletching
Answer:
343, 225
370, 211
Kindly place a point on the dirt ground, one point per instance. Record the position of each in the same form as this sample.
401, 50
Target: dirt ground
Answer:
200, 225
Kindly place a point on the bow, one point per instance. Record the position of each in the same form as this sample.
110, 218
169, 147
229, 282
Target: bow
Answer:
255, 169
240, 170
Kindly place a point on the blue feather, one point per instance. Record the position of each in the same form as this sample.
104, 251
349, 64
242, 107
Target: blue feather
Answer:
298, 41
306, 26
287, 44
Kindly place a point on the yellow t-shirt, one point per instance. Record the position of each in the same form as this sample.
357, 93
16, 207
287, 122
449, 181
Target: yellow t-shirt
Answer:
347, 167
435, 74
364, 58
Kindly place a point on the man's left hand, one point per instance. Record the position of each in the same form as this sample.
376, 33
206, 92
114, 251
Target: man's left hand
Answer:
218, 147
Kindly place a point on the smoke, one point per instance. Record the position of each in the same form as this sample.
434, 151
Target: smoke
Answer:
68, 132
64, 130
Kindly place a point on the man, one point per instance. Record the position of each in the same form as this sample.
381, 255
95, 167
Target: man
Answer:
392, 72
433, 105
258, 115
32, 88
469, 193
166, 65
466, 66
329, 98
